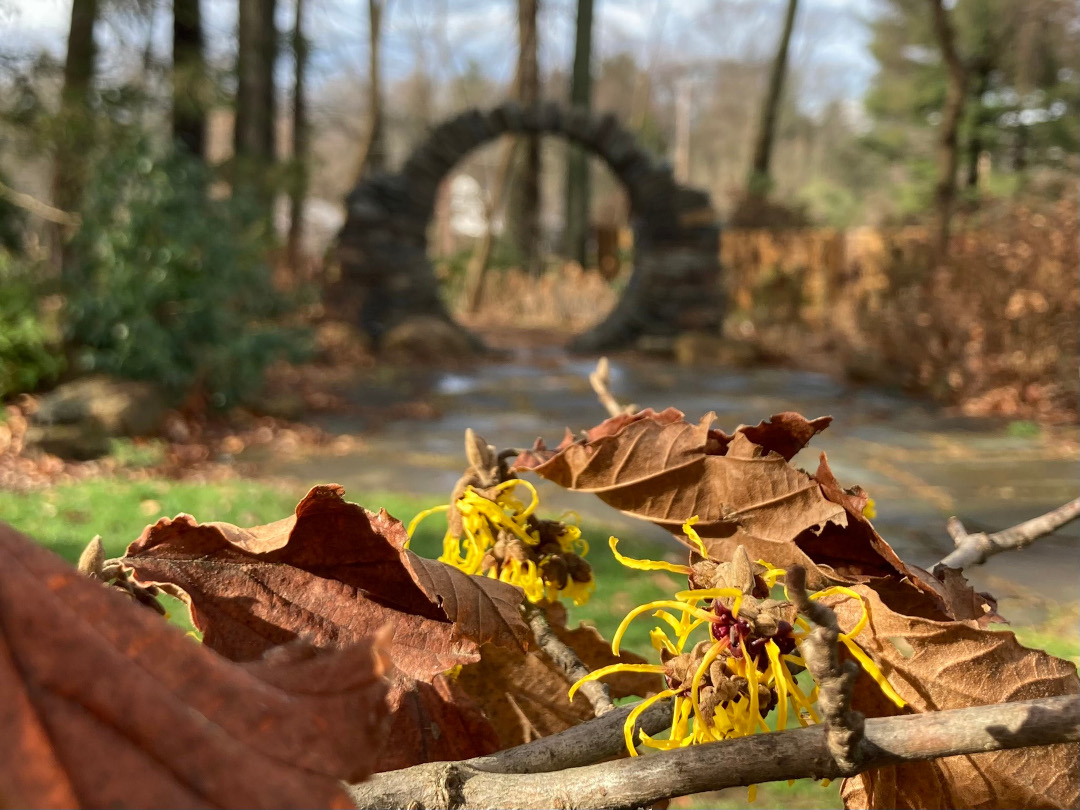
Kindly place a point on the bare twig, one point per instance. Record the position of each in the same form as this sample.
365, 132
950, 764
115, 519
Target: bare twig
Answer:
975, 549
843, 726
38, 208
600, 381
792, 754
567, 660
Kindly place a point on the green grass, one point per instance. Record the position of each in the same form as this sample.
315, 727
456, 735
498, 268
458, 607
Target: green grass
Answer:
1055, 632
65, 518
803, 793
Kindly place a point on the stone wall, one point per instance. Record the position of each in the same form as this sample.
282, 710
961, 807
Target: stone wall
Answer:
675, 286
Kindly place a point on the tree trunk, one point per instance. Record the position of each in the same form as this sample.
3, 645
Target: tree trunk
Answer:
975, 143
254, 136
525, 194
70, 168
760, 180
189, 83
477, 267
299, 186
577, 165
948, 148
373, 156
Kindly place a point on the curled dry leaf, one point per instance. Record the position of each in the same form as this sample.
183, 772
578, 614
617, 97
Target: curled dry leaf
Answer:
936, 665
524, 695
334, 573
102, 704
337, 574
659, 467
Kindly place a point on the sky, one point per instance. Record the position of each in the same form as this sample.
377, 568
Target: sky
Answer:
829, 47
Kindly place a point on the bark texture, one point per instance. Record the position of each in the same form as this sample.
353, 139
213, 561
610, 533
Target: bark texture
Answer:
577, 167
760, 177
373, 156
189, 82
948, 150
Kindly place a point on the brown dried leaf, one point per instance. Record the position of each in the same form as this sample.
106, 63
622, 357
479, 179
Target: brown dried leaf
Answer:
852, 548
938, 665
963, 602
102, 704
784, 433
334, 573
594, 651
661, 468
433, 722
523, 695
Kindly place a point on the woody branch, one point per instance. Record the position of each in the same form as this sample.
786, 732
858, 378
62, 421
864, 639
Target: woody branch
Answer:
793, 754
977, 548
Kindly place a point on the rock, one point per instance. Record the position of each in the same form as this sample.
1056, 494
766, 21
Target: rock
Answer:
78, 441
426, 339
77, 419
706, 349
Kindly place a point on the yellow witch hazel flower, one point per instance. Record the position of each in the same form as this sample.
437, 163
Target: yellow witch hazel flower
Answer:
502, 538
726, 683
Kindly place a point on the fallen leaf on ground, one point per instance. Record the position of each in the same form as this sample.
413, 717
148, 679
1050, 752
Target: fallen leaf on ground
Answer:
334, 573
937, 665
103, 704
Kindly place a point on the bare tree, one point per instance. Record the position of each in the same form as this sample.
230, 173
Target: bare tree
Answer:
577, 162
299, 185
189, 84
70, 167
760, 179
253, 136
373, 155
948, 151
477, 268
524, 216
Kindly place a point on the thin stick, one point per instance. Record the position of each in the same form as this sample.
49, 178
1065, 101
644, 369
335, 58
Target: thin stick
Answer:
600, 381
582, 744
792, 754
975, 549
38, 208
567, 661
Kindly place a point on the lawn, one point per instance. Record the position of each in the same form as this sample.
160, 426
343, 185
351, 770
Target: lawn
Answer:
66, 517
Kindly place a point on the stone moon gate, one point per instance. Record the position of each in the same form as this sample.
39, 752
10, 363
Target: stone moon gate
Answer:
675, 282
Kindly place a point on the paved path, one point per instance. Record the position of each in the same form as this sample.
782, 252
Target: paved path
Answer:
919, 464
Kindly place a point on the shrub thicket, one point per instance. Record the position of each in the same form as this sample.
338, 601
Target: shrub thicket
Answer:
29, 354
171, 283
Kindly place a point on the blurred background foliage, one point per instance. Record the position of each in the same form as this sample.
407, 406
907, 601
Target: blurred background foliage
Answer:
172, 175
170, 283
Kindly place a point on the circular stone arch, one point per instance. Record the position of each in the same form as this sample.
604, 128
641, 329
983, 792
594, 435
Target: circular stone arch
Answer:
674, 286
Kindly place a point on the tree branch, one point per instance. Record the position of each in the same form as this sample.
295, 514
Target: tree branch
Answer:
600, 381
597, 693
38, 208
792, 754
975, 549
844, 727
